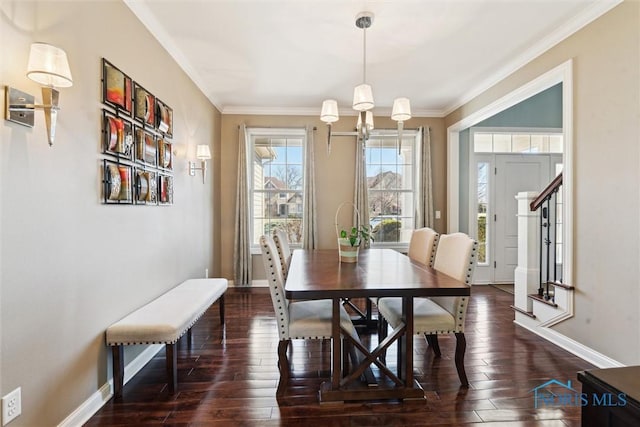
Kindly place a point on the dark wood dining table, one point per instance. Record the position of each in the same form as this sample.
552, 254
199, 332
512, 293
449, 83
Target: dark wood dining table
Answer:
319, 274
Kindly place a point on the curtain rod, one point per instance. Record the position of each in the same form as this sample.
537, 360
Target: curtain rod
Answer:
278, 127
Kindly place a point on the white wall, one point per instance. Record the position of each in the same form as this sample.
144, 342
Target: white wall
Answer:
71, 266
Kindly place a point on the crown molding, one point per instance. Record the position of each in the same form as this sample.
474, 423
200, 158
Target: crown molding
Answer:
315, 111
575, 24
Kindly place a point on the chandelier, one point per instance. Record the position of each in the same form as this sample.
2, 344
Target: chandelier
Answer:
363, 97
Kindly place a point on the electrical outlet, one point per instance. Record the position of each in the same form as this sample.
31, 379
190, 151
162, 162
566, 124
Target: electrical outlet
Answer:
11, 406
206, 273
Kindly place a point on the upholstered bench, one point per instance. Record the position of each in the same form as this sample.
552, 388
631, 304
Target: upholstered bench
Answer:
163, 321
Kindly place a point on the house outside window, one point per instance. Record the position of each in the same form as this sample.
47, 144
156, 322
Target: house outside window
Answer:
277, 167
392, 179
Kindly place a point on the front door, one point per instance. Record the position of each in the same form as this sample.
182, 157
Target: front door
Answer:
508, 174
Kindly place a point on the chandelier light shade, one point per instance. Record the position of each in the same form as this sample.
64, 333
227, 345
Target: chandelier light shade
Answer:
48, 66
368, 120
363, 96
329, 112
401, 110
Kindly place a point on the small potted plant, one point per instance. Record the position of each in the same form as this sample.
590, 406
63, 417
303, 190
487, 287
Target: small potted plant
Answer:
349, 240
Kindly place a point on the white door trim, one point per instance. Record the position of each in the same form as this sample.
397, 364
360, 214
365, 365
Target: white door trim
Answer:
563, 73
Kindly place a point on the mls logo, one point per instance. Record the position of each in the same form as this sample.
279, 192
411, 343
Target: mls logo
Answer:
556, 393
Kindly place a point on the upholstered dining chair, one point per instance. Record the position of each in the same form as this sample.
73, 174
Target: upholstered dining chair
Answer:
455, 257
422, 249
422, 245
296, 319
284, 252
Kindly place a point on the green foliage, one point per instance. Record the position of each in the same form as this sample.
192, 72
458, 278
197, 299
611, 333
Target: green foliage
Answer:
388, 230
355, 236
482, 238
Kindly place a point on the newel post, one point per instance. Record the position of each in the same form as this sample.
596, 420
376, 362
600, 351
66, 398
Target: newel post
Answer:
527, 274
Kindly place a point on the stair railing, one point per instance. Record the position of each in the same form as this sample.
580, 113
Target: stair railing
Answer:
547, 203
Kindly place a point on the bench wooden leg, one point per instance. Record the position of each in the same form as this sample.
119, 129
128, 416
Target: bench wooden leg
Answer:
118, 370
172, 367
221, 299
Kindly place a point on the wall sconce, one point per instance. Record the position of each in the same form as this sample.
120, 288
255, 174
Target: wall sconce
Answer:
48, 66
203, 154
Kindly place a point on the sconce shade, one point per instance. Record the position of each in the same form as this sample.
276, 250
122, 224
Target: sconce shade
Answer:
203, 152
329, 112
363, 97
401, 110
48, 66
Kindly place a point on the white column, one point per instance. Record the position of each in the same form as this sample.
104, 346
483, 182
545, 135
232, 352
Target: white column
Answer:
527, 274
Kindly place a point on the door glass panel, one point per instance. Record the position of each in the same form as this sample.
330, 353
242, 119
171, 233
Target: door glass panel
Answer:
482, 204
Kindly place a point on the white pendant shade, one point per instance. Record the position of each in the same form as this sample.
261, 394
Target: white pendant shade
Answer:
401, 109
368, 120
203, 152
329, 112
363, 97
48, 66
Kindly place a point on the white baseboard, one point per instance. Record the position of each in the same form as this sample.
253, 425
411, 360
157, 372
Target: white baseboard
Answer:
97, 400
582, 351
90, 406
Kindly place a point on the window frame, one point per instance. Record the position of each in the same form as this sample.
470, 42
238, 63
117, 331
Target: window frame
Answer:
415, 137
284, 133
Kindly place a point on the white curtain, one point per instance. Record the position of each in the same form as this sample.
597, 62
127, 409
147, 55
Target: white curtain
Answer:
309, 208
424, 212
360, 196
242, 244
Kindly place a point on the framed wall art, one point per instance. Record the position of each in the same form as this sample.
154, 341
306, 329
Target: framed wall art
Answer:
145, 106
165, 154
165, 189
117, 137
146, 187
117, 183
146, 147
116, 88
164, 118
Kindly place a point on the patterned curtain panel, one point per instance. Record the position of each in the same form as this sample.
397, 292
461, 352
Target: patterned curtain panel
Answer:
424, 213
309, 220
242, 243
360, 198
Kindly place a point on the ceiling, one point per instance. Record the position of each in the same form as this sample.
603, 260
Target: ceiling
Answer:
287, 56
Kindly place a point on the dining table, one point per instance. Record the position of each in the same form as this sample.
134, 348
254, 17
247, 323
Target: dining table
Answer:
378, 273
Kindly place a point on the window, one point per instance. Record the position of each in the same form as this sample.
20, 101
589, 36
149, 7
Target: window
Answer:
517, 142
482, 203
392, 182
277, 182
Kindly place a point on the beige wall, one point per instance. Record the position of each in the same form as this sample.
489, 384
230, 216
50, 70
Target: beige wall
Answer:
71, 266
334, 174
606, 120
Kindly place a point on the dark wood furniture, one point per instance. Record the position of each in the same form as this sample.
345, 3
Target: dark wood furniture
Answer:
611, 397
378, 273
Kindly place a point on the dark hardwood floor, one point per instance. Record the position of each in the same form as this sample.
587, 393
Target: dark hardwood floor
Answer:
228, 376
